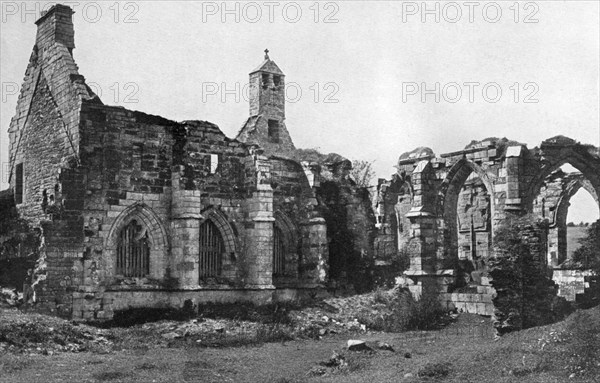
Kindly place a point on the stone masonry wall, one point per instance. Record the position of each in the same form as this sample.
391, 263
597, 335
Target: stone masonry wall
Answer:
295, 205
510, 174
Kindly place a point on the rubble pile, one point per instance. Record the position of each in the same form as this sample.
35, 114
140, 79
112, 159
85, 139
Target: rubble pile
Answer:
30, 333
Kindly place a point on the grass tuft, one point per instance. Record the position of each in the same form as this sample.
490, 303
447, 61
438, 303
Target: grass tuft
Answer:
435, 370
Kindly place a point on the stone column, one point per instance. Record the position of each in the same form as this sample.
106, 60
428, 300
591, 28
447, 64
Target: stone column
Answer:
424, 269
514, 163
258, 256
185, 222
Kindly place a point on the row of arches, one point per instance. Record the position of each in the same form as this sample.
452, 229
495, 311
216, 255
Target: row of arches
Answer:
138, 244
466, 204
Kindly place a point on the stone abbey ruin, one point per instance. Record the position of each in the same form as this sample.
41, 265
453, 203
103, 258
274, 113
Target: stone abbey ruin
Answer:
116, 209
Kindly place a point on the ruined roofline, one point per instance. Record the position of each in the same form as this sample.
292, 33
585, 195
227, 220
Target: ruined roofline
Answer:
560, 141
466, 151
147, 118
153, 119
61, 32
211, 127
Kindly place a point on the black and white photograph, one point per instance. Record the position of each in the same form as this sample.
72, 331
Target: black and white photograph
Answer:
300, 191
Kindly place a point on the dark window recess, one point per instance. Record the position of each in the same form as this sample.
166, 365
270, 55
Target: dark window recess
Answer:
278, 252
274, 131
44, 200
133, 251
211, 250
276, 80
265, 80
19, 184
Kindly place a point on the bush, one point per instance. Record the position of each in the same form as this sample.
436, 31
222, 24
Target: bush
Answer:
424, 314
525, 293
406, 313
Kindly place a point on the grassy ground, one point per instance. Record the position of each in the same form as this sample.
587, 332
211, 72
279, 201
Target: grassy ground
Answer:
464, 351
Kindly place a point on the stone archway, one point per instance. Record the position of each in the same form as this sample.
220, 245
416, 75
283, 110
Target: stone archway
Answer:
157, 237
474, 227
228, 234
555, 153
552, 204
290, 242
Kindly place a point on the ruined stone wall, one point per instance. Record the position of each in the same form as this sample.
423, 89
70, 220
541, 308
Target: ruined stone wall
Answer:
220, 176
46, 120
19, 244
256, 132
576, 285
169, 177
44, 150
453, 217
96, 177
127, 159
350, 228
552, 204
474, 231
294, 204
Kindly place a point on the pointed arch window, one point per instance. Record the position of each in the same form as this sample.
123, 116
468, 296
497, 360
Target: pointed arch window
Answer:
133, 251
212, 248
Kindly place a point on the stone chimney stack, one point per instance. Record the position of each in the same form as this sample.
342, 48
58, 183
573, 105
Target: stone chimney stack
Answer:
56, 26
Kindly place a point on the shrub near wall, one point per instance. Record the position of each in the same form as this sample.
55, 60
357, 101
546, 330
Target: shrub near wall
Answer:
19, 245
526, 296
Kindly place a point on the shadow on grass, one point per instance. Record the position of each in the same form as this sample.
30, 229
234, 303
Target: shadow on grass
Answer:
108, 376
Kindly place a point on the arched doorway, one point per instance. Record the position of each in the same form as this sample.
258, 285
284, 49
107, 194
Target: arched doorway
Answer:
566, 199
466, 206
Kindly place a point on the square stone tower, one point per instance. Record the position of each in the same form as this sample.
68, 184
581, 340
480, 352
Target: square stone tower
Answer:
266, 124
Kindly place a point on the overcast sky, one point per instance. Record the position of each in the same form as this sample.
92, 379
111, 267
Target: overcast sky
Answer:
355, 71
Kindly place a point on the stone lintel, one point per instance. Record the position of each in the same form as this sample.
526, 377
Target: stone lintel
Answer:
189, 216
264, 187
259, 287
411, 161
466, 151
416, 273
418, 212
313, 221
423, 273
